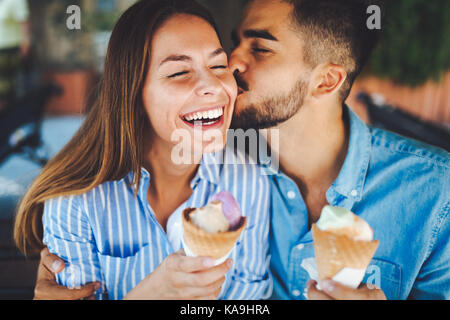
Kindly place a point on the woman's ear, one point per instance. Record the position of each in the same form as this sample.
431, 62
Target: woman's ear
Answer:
329, 79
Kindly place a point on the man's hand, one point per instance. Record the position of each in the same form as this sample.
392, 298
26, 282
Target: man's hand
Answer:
332, 290
46, 286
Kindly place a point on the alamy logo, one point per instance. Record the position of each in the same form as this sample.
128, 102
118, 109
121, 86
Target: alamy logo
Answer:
189, 147
73, 22
374, 20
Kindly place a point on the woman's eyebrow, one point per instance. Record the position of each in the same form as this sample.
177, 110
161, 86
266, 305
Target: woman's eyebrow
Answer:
182, 57
176, 57
217, 52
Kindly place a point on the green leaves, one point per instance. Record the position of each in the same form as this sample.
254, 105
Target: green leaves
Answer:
414, 45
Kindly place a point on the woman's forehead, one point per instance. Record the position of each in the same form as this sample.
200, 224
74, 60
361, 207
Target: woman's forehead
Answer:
184, 35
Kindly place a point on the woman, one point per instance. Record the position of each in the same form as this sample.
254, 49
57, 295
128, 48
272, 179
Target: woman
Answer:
112, 198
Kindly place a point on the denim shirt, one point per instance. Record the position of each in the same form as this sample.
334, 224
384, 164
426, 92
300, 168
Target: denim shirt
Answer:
401, 188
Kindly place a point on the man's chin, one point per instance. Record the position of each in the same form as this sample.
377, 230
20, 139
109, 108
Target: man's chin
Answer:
250, 118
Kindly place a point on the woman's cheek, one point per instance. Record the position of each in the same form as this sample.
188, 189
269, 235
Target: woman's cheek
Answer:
231, 88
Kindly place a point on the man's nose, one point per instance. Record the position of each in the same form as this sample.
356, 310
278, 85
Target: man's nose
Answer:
237, 62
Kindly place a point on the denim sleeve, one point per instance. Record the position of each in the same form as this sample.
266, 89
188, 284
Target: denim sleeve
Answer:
251, 279
433, 282
67, 234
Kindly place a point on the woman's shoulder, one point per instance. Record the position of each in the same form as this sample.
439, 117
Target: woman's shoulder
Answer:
96, 198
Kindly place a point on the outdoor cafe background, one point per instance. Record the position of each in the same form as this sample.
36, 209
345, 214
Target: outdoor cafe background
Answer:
405, 89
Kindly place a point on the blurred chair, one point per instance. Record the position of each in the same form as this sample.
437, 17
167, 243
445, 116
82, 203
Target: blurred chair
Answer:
393, 119
41, 138
20, 124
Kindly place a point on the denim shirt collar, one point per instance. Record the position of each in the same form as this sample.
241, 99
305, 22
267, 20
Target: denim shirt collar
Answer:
350, 181
351, 178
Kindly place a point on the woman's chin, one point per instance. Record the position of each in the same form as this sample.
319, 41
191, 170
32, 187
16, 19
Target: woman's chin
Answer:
208, 147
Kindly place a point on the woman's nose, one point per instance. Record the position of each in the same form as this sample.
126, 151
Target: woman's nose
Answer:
209, 84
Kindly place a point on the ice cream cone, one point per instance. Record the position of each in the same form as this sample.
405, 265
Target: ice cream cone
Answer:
202, 243
336, 252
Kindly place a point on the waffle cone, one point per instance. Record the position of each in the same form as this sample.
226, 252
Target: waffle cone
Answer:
334, 252
202, 243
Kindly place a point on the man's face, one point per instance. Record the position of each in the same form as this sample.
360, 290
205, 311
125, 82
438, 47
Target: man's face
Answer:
268, 66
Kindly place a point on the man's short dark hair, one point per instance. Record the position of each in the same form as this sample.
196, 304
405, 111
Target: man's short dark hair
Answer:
336, 31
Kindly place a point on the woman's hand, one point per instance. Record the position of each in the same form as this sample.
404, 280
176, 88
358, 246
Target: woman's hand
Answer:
180, 277
46, 286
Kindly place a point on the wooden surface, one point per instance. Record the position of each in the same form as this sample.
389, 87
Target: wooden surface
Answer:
430, 102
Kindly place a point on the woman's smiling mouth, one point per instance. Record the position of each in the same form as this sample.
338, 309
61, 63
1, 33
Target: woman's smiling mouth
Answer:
205, 118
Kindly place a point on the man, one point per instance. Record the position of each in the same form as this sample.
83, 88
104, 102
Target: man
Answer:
295, 62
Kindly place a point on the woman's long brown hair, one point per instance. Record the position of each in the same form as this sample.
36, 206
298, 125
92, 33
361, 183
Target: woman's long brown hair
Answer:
110, 142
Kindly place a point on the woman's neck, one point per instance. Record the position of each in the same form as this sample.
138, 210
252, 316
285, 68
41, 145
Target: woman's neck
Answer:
169, 182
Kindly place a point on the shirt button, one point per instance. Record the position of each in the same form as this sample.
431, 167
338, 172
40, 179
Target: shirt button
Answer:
354, 193
296, 293
291, 195
300, 246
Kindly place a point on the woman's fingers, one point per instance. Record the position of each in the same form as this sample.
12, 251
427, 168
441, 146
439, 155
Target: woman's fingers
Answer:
209, 292
182, 263
206, 277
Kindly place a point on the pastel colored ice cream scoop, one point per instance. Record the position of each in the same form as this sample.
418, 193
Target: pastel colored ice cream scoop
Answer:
214, 229
343, 246
210, 218
342, 221
230, 207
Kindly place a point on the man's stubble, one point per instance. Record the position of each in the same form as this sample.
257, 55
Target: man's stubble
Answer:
271, 111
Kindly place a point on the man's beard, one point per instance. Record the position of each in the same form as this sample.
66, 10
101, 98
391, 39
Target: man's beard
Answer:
271, 111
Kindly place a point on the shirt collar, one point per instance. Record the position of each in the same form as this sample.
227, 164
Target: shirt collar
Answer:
351, 178
265, 161
350, 181
209, 170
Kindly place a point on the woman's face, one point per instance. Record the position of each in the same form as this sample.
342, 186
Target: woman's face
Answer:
189, 92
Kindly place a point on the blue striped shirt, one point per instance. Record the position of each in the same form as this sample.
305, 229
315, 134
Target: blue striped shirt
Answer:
108, 235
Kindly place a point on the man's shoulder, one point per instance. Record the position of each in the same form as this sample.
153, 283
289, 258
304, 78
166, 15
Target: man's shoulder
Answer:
390, 146
410, 171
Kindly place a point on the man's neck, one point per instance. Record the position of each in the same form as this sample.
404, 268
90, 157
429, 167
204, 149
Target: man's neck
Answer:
313, 145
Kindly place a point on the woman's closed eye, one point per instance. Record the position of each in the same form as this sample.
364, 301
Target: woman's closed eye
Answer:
219, 67
177, 74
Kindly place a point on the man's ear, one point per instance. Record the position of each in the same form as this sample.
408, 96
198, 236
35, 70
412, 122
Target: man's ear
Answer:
329, 79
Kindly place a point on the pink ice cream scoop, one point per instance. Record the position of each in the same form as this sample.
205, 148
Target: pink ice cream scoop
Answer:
230, 207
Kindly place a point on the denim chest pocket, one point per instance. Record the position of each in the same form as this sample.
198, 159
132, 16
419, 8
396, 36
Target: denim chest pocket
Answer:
121, 274
386, 275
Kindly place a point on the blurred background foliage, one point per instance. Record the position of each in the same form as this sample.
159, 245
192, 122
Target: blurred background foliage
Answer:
415, 41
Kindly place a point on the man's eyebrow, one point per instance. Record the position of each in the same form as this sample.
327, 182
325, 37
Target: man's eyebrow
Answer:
182, 57
259, 33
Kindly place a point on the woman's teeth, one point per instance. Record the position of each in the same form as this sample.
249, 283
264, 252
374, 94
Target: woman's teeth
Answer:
204, 116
